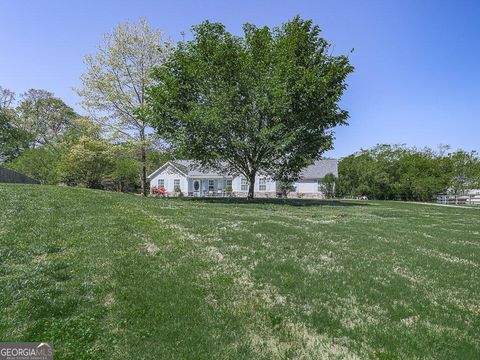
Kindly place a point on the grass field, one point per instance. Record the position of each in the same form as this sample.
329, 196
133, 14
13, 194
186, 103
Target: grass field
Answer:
116, 276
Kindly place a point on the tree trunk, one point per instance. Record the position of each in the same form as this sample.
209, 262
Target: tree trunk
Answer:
144, 171
143, 160
251, 185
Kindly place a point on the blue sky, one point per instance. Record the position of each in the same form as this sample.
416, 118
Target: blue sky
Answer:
417, 77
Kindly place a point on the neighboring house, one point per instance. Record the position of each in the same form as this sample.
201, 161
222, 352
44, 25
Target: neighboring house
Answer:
195, 181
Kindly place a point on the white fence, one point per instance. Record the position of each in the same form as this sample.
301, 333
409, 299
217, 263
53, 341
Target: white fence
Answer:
463, 199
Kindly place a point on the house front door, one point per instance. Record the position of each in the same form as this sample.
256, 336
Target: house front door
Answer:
196, 187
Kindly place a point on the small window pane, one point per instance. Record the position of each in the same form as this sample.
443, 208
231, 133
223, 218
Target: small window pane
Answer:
262, 184
244, 185
161, 183
211, 186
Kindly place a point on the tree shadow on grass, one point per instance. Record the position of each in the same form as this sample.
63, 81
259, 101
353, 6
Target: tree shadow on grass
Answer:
270, 201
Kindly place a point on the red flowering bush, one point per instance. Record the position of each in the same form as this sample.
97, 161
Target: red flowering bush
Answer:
158, 191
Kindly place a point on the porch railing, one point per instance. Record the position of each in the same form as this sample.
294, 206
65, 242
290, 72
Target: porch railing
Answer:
219, 193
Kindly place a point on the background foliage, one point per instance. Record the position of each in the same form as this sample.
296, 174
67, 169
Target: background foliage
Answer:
44, 138
397, 172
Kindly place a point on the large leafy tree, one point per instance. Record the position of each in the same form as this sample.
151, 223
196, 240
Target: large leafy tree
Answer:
13, 140
115, 83
44, 116
465, 171
265, 102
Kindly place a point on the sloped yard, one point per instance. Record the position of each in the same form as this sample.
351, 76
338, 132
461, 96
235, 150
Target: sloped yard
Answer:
106, 275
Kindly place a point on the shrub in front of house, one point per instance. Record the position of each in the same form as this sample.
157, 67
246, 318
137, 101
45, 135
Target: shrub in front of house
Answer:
158, 191
178, 191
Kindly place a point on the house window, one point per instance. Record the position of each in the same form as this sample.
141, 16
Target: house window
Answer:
229, 183
176, 183
262, 184
243, 184
161, 183
211, 185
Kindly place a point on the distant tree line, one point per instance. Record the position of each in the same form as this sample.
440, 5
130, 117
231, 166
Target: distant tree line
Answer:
398, 172
44, 138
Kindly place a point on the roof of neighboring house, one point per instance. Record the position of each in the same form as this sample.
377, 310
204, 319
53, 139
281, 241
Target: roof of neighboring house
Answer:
189, 168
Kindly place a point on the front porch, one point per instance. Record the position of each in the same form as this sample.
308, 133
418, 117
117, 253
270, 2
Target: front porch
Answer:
210, 186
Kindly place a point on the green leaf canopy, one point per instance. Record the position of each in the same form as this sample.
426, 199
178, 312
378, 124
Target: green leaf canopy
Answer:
265, 102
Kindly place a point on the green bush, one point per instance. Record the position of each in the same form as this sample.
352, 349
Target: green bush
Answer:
40, 163
396, 172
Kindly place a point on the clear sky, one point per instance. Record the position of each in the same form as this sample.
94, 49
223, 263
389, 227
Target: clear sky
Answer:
417, 77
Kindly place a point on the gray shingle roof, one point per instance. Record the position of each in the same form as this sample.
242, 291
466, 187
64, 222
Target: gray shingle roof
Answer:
320, 168
317, 170
192, 169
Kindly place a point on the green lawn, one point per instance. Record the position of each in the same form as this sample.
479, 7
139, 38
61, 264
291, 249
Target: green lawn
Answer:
116, 276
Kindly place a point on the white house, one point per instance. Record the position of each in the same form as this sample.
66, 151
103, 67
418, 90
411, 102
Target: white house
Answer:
195, 181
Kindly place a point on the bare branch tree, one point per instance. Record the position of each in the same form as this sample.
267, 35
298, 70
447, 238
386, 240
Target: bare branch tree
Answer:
116, 80
7, 97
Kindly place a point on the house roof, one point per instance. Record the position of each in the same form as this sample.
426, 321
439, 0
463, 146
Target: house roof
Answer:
189, 168
179, 168
192, 169
320, 168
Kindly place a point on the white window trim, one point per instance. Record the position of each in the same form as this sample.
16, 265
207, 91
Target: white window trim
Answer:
161, 181
213, 184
